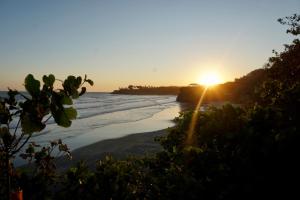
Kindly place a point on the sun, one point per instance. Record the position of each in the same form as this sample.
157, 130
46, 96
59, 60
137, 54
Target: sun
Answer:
209, 79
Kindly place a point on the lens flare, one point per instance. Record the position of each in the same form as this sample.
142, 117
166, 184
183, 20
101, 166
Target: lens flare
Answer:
190, 133
209, 79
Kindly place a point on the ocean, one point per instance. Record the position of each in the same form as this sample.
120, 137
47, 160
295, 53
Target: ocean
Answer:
105, 116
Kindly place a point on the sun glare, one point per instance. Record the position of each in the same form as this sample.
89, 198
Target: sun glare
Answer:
209, 79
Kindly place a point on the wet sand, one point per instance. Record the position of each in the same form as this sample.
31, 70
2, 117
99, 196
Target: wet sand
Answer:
138, 144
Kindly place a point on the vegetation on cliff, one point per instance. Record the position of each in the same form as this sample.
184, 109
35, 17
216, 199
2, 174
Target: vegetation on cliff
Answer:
241, 90
281, 72
148, 90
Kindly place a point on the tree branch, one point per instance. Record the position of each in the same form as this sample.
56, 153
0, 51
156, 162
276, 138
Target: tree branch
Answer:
17, 127
17, 150
47, 119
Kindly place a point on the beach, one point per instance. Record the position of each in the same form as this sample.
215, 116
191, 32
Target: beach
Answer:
139, 144
107, 117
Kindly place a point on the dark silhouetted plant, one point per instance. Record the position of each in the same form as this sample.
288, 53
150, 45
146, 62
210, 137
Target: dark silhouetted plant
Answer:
32, 110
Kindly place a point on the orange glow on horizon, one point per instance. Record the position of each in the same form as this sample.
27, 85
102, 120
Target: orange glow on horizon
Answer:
209, 79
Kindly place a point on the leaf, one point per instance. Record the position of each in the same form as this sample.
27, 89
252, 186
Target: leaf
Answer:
71, 113
32, 85
74, 94
65, 100
30, 125
190, 149
30, 149
83, 90
71, 85
79, 80
61, 118
12, 94
90, 82
72, 81
49, 80
53, 143
63, 147
45, 79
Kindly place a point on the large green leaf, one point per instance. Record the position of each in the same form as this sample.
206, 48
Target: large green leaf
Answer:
71, 84
71, 113
74, 93
49, 80
90, 82
32, 85
65, 100
61, 118
79, 80
83, 90
30, 125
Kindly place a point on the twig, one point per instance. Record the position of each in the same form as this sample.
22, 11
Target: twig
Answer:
17, 127
18, 141
47, 119
13, 152
59, 80
24, 96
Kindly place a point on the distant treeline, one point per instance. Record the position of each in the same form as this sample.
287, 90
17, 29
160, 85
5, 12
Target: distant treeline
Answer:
148, 90
241, 90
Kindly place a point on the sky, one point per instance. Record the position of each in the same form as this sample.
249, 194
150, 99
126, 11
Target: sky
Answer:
139, 42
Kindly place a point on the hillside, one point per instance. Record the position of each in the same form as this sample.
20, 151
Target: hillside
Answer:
242, 90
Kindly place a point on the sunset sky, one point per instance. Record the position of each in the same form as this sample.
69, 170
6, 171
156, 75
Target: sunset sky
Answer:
140, 42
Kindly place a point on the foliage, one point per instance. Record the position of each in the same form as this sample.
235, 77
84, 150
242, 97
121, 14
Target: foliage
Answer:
148, 90
238, 152
292, 21
112, 179
241, 91
282, 71
32, 111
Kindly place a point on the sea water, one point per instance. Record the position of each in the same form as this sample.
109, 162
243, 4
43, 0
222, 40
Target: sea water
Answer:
105, 116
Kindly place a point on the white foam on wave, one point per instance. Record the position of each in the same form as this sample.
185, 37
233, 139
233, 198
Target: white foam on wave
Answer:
106, 116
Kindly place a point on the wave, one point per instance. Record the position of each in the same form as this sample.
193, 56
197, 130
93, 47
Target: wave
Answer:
95, 104
104, 116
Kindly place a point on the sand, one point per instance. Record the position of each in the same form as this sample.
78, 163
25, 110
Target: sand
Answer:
138, 144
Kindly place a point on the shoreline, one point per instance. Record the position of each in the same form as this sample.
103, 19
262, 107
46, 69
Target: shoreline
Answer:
136, 144
115, 132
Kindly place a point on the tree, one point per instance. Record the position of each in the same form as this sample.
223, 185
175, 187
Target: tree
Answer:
130, 87
292, 21
32, 111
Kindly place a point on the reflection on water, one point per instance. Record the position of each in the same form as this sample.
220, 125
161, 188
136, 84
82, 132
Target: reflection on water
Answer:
106, 116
